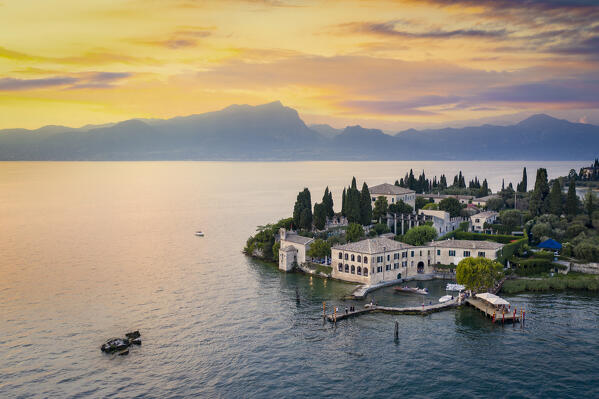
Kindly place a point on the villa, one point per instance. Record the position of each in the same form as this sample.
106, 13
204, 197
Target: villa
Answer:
442, 222
393, 194
482, 201
375, 260
293, 249
478, 221
437, 198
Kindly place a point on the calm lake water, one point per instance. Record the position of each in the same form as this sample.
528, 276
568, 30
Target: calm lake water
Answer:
93, 250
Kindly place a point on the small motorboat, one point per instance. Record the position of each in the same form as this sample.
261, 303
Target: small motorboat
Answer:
412, 290
454, 287
446, 298
200, 233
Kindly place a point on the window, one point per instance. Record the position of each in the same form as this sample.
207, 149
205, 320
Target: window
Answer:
365, 260
420, 253
353, 269
366, 271
481, 254
404, 254
476, 220
439, 252
359, 271
428, 252
345, 256
412, 254
451, 252
379, 259
340, 267
396, 255
353, 258
388, 257
388, 267
346, 268
379, 269
466, 253
340, 255
373, 199
359, 258
396, 265
392, 200
404, 263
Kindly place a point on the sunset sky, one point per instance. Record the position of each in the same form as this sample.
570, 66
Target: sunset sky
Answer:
389, 64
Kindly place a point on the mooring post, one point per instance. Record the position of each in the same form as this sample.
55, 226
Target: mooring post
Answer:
396, 330
324, 309
297, 297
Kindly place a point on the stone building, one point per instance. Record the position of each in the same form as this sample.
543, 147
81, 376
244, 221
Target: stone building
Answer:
393, 194
478, 220
293, 249
451, 252
442, 221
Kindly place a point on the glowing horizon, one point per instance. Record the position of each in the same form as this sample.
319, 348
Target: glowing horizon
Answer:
387, 63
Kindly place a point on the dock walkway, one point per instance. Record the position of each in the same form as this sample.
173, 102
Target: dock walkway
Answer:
489, 310
412, 310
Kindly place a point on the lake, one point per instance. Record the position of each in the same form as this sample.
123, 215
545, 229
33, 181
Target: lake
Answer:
93, 250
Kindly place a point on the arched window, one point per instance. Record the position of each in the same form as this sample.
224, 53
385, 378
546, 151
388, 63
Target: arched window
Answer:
359, 258
340, 267
353, 269
353, 258
346, 268
366, 271
345, 256
359, 271
366, 260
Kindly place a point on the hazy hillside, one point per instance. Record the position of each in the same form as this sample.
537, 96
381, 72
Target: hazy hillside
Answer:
275, 132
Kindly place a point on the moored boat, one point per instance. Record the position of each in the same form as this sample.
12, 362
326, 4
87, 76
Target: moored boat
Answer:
445, 298
412, 290
200, 233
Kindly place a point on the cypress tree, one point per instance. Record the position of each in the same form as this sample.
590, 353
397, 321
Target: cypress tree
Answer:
365, 205
571, 200
327, 202
302, 210
555, 198
320, 215
522, 187
484, 189
537, 204
344, 203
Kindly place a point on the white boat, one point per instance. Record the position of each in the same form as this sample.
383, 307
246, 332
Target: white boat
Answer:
200, 233
445, 298
413, 290
454, 287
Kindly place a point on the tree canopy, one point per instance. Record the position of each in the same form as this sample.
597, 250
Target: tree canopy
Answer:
380, 208
420, 235
478, 274
302, 210
354, 232
319, 249
365, 206
451, 205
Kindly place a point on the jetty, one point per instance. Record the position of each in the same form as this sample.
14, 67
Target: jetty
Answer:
411, 310
490, 311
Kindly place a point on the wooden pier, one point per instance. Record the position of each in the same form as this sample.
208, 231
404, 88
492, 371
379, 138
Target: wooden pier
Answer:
413, 310
489, 311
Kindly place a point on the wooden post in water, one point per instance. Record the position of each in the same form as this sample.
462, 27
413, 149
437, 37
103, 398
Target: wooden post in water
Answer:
324, 309
297, 297
396, 330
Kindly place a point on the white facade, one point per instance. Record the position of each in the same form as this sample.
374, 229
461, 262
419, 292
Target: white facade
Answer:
393, 194
375, 260
293, 249
478, 220
442, 222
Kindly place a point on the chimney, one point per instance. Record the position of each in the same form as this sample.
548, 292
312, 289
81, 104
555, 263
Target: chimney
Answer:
282, 233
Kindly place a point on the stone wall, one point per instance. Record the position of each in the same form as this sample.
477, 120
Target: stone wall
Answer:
589, 268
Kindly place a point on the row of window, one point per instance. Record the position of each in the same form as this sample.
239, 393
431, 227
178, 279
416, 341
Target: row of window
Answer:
466, 253
380, 259
353, 270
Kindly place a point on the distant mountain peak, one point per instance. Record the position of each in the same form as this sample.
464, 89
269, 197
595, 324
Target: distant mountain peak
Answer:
540, 120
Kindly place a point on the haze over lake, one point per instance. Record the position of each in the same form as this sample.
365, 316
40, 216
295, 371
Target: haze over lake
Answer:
91, 250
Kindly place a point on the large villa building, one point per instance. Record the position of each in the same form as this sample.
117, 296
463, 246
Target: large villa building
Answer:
393, 194
375, 260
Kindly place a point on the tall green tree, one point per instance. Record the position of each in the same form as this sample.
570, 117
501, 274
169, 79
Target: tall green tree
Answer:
380, 208
478, 274
451, 205
523, 185
484, 189
400, 207
365, 206
344, 203
327, 201
320, 216
319, 249
302, 210
555, 198
354, 232
420, 235
590, 202
537, 204
571, 200
352, 203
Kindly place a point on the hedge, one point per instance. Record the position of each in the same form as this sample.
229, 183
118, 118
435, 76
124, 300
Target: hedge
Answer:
500, 238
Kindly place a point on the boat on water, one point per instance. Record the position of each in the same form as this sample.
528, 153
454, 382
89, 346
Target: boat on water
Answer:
200, 233
412, 290
445, 298
455, 287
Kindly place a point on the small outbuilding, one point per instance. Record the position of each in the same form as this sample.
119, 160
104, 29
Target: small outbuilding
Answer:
492, 299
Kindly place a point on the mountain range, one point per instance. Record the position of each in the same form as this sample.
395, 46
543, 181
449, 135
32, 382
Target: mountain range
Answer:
275, 132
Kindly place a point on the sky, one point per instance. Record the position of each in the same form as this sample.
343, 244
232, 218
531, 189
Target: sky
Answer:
389, 64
